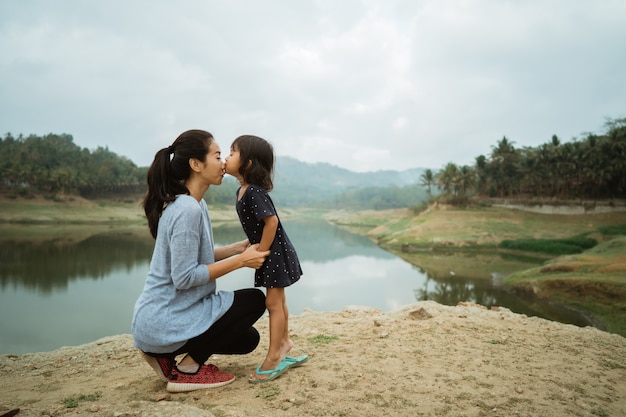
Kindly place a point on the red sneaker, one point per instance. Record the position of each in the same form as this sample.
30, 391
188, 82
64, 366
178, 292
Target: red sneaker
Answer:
162, 366
208, 376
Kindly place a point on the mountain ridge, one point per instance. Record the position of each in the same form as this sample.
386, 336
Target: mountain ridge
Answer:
334, 176
320, 184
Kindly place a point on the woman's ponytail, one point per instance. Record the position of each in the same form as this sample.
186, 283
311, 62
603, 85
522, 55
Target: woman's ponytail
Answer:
168, 172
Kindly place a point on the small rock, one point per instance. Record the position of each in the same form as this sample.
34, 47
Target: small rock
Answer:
163, 397
420, 314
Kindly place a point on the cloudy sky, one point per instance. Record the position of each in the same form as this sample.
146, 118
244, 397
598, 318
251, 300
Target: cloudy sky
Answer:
362, 84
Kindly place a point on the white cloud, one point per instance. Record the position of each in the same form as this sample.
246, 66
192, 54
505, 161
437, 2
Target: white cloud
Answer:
363, 84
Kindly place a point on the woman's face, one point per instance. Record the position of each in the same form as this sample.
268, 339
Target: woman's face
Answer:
213, 170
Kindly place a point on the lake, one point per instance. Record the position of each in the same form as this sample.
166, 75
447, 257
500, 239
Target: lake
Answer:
70, 285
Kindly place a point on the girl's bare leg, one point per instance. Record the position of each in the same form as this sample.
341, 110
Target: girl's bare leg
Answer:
274, 301
287, 344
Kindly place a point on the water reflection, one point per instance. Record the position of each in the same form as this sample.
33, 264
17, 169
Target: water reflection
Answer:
74, 285
51, 264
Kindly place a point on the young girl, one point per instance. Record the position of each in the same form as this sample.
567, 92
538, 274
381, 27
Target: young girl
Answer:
251, 161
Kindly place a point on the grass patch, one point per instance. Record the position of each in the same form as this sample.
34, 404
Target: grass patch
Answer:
74, 401
550, 246
613, 230
323, 339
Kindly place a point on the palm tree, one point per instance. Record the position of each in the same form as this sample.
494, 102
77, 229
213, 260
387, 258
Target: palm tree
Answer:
447, 179
466, 179
427, 179
504, 160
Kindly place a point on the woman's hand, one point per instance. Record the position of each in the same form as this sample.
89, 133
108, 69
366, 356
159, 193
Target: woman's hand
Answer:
239, 247
252, 258
233, 249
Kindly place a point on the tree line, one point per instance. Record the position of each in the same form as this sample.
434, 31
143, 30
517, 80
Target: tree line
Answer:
590, 168
53, 164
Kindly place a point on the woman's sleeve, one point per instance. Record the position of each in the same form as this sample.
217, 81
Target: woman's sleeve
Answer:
187, 272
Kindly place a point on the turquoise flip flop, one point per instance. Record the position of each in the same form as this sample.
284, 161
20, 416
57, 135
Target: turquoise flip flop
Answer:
293, 362
273, 373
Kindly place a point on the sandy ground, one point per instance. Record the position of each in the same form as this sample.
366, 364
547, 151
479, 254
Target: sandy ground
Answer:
422, 360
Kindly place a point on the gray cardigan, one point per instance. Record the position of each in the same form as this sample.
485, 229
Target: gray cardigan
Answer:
178, 302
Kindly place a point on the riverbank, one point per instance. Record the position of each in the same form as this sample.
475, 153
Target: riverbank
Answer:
441, 227
593, 283
425, 359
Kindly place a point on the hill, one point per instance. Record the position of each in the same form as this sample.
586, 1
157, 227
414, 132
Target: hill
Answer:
302, 184
290, 171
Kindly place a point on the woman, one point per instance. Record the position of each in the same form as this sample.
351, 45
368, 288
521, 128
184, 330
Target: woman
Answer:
179, 310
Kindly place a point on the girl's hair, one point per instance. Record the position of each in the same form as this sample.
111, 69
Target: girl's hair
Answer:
257, 160
169, 170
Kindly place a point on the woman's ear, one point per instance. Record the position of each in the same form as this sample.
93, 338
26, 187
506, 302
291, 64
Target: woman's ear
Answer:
195, 165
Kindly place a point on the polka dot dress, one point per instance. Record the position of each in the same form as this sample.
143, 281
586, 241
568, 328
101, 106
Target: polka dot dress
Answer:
282, 267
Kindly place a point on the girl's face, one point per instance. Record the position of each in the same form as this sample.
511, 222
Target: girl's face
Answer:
233, 163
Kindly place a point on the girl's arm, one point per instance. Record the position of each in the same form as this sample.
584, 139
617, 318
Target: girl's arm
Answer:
269, 232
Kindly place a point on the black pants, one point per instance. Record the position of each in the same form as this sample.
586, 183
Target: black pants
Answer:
232, 333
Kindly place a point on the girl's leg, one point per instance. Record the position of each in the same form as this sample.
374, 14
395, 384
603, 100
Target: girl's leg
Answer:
287, 344
274, 305
232, 333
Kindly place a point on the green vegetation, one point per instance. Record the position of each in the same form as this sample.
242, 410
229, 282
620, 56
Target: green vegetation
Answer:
72, 210
322, 339
591, 168
550, 246
54, 167
443, 227
613, 230
53, 164
73, 401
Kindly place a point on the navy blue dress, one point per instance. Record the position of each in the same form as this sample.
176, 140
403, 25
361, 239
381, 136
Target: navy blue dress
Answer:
282, 267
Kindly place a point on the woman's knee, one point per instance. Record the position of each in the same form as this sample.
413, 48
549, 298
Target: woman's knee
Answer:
251, 299
258, 299
253, 339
